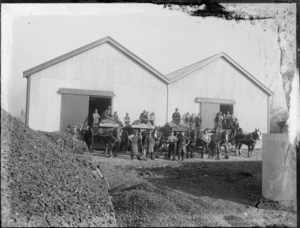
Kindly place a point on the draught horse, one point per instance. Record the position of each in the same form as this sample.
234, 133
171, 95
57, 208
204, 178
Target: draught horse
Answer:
113, 141
246, 139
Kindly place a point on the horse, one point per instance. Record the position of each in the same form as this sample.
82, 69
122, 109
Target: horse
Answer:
249, 139
125, 144
192, 136
113, 141
160, 140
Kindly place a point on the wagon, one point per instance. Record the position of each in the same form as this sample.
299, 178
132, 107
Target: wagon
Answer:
101, 133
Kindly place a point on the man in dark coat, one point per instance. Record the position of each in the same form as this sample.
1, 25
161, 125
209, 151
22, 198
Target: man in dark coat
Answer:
88, 137
198, 121
176, 117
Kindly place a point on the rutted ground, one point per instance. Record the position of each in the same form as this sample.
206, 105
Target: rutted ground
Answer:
194, 192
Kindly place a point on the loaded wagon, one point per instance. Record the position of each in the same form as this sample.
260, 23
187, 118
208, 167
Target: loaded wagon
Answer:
102, 134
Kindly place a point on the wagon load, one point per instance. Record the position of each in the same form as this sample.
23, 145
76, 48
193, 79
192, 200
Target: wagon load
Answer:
174, 127
143, 126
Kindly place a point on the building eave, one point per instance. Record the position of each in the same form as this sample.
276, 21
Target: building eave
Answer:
213, 58
87, 47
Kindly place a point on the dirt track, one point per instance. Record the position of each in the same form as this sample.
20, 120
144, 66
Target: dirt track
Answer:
226, 192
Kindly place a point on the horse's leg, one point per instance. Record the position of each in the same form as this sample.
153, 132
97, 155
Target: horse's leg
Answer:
218, 151
226, 148
240, 145
236, 149
252, 148
249, 148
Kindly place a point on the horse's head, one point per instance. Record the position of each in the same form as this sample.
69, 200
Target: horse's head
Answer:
256, 134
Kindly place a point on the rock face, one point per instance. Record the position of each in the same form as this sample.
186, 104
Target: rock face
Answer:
271, 31
44, 184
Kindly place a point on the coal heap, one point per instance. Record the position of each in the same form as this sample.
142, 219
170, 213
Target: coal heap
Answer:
43, 183
143, 204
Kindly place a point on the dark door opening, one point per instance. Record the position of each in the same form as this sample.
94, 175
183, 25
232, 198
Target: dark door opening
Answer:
100, 103
225, 108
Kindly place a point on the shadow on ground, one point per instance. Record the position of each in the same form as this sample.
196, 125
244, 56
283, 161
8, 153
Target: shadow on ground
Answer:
238, 181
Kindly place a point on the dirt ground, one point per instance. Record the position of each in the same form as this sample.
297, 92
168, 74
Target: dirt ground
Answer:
227, 192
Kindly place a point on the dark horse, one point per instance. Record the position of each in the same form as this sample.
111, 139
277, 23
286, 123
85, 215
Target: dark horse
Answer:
246, 139
113, 142
219, 139
191, 147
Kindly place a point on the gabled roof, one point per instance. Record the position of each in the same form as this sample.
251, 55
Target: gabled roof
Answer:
178, 74
87, 47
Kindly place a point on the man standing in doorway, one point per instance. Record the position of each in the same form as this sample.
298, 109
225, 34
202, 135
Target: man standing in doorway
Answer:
96, 118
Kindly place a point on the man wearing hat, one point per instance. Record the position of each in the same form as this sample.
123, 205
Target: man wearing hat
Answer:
141, 119
198, 121
152, 118
176, 117
146, 117
116, 117
206, 140
127, 120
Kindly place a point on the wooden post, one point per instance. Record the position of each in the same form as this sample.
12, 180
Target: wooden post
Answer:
279, 169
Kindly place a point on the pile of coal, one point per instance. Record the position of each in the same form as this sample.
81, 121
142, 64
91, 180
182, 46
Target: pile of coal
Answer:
67, 141
45, 184
143, 204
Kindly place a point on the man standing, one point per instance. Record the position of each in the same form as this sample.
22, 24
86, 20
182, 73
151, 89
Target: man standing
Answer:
116, 117
150, 141
186, 118
146, 118
206, 140
172, 141
198, 121
135, 138
183, 142
218, 121
96, 118
127, 120
141, 119
108, 113
176, 117
88, 137
152, 118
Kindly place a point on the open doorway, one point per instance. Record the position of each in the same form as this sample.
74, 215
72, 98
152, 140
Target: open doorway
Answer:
225, 108
100, 103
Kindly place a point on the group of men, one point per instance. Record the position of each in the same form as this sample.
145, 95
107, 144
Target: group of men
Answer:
108, 117
193, 120
83, 133
222, 120
177, 145
146, 118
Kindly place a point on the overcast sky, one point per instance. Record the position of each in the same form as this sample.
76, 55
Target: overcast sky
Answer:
166, 39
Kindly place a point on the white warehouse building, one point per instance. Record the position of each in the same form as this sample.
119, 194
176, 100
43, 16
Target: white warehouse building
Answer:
66, 90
